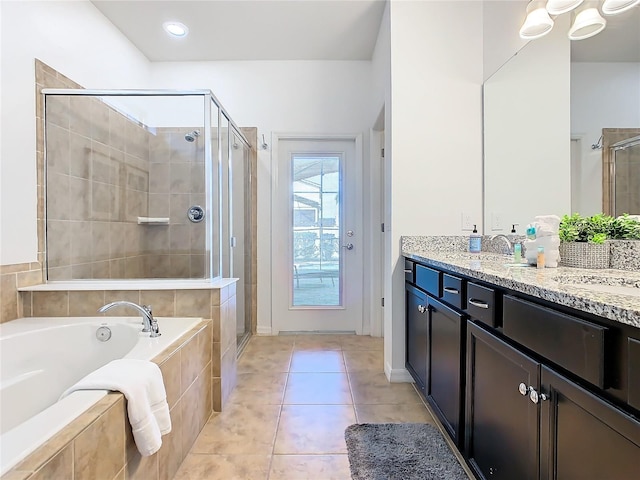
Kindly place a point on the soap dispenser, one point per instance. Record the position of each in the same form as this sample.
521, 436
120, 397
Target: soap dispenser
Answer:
475, 241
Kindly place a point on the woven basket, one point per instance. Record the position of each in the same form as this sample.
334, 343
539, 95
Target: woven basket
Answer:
584, 255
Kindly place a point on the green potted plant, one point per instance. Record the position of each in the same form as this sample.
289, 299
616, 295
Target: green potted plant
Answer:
585, 241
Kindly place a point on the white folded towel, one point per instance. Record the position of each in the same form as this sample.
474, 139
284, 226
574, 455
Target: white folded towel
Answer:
141, 383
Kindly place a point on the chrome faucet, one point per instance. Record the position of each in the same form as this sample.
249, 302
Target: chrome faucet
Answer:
506, 239
149, 323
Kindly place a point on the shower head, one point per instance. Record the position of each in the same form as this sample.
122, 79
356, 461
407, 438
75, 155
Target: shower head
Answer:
191, 136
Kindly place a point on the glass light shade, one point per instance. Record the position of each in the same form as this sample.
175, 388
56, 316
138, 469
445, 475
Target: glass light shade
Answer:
175, 29
588, 22
558, 7
613, 7
537, 23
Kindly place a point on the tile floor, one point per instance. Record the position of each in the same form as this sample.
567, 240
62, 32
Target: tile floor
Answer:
295, 396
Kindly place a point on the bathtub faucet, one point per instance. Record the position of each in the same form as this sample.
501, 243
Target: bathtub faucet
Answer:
150, 324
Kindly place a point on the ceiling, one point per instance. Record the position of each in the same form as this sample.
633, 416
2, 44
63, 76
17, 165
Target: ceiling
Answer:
302, 30
250, 29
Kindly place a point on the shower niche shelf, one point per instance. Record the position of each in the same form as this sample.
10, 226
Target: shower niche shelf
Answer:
153, 220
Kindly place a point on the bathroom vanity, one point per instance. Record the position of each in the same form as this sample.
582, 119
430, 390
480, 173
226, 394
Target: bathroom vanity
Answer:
534, 374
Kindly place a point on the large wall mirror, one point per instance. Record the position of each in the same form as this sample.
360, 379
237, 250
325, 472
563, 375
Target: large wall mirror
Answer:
545, 108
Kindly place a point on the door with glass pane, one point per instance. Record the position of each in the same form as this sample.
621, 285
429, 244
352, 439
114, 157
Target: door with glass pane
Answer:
317, 239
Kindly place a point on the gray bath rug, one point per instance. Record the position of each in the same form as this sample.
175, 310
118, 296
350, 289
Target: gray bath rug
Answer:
400, 451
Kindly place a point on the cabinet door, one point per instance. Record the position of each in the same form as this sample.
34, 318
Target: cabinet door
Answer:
417, 332
445, 366
584, 437
501, 422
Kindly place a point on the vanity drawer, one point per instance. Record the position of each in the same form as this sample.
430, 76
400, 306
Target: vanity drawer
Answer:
633, 369
570, 342
428, 279
453, 290
409, 267
481, 303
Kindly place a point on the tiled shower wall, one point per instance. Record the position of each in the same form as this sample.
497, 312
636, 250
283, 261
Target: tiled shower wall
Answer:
627, 193
97, 187
106, 170
177, 181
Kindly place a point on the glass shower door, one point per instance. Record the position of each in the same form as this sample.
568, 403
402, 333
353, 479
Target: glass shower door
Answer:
626, 175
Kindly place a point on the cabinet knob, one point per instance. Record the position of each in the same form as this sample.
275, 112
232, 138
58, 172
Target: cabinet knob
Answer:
523, 389
422, 308
536, 397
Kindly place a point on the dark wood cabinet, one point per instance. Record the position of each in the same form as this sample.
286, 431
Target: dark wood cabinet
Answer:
583, 437
527, 389
501, 435
417, 321
446, 366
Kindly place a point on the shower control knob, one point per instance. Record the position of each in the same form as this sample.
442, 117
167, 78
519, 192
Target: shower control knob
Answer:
195, 214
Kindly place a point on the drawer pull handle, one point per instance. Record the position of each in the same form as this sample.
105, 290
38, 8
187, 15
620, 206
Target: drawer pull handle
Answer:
478, 303
422, 308
408, 270
455, 291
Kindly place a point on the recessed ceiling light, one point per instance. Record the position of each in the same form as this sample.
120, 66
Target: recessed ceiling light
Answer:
175, 29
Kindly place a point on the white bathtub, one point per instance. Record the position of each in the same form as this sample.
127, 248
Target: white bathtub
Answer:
41, 357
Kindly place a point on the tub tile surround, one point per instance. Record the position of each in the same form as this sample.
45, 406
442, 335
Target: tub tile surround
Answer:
13, 277
99, 443
560, 285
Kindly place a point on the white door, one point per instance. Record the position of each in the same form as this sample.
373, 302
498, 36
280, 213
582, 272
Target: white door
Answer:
317, 236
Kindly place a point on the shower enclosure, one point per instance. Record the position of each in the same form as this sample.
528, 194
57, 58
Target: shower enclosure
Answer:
145, 185
625, 175
621, 171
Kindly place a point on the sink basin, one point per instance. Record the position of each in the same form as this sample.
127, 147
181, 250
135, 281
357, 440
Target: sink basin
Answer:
614, 285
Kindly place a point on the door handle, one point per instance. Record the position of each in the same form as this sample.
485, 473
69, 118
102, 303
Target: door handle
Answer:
422, 308
451, 290
348, 246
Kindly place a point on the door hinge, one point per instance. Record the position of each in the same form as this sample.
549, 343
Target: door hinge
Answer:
382, 301
382, 152
382, 227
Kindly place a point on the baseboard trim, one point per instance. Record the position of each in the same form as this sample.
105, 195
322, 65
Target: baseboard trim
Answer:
263, 330
397, 375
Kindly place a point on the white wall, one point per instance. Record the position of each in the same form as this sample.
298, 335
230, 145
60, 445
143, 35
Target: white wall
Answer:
78, 41
321, 97
603, 95
378, 282
436, 135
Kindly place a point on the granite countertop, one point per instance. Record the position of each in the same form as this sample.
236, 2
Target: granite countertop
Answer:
613, 294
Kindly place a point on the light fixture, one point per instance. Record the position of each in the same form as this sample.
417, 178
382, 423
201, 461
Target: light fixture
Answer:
538, 21
558, 7
587, 23
613, 7
175, 29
